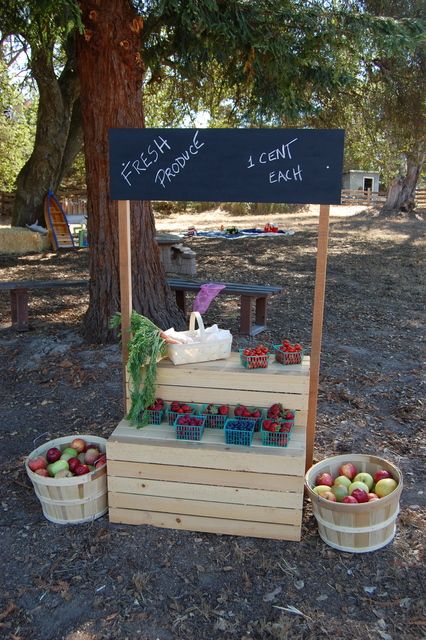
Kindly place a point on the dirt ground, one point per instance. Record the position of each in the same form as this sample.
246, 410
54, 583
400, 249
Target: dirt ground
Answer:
103, 581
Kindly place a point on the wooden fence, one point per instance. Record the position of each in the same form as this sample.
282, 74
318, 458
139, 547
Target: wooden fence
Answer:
76, 203
357, 196
421, 198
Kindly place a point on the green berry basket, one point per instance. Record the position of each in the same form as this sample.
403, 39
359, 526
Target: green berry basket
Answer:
254, 362
214, 420
233, 435
172, 415
258, 421
287, 358
154, 417
188, 431
279, 438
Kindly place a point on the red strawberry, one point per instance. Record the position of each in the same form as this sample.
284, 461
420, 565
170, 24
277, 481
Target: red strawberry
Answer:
223, 410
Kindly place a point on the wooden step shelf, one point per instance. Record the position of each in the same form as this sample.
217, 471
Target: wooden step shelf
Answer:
210, 486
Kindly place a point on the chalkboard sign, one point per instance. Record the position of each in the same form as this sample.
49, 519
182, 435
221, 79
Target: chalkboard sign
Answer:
227, 165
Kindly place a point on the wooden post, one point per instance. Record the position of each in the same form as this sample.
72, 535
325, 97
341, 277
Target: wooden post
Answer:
317, 321
125, 264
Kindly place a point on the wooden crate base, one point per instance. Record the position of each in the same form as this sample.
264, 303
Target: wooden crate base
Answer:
210, 486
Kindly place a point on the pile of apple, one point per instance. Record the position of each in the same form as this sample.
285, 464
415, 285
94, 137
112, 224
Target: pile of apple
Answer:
352, 487
75, 459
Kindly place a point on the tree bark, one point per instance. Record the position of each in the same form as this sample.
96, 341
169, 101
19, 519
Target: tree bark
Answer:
111, 73
47, 163
402, 191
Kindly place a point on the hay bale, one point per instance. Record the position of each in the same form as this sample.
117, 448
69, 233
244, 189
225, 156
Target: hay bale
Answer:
16, 240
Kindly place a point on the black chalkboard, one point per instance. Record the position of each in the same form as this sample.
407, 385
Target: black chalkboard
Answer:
227, 165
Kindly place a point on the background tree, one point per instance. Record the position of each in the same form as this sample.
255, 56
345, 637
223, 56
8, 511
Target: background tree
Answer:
47, 29
17, 126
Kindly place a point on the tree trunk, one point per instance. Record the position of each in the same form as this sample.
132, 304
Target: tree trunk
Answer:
47, 163
111, 73
402, 191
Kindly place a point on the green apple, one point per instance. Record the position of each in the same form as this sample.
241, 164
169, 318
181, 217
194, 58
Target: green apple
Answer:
70, 450
366, 478
358, 485
59, 465
342, 480
66, 456
383, 487
339, 491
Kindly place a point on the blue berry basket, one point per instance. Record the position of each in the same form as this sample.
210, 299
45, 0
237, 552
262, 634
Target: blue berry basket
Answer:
255, 362
188, 431
287, 358
277, 438
172, 415
239, 431
214, 420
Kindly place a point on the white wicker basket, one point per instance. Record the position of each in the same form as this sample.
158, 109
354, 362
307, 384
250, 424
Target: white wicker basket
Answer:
203, 349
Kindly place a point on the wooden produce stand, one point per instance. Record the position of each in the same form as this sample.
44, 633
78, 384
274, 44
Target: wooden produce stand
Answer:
208, 485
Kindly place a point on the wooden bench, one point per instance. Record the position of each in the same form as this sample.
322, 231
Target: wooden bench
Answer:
19, 296
249, 293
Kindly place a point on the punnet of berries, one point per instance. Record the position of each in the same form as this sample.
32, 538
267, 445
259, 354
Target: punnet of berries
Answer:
216, 415
155, 411
189, 427
255, 357
176, 408
287, 353
241, 411
239, 431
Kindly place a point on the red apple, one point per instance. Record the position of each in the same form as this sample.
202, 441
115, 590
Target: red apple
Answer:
350, 500
324, 479
53, 454
349, 470
73, 463
372, 496
91, 455
81, 470
79, 445
42, 472
360, 495
37, 463
382, 473
100, 461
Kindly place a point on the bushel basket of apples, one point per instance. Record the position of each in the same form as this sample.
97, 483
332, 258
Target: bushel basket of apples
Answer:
69, 476
355, 500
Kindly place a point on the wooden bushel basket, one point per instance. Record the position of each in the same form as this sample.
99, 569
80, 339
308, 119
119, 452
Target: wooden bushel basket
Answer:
71, 500
355, 528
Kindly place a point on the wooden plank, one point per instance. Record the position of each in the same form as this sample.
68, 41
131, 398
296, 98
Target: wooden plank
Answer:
317, 322
205, 525
196, 475
125, 265
205, 493
200, 395
232, 364
259, 460
239, 379
207, 509
164, 432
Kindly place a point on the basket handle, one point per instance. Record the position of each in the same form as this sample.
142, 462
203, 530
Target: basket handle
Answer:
195, 315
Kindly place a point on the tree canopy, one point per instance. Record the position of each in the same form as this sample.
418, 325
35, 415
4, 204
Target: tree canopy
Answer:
264, 63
